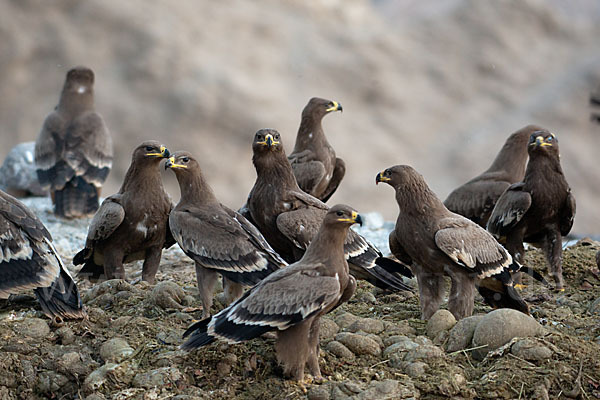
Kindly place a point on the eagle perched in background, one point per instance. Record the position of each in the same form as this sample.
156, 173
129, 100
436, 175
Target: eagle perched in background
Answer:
74, 151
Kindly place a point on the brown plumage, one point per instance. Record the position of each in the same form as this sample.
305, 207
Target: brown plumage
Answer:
538, 210
289, 218
438, 242
131, 224
218, 239
476, 198
318, 171
595, 101
28, 260
74, 152
290, 300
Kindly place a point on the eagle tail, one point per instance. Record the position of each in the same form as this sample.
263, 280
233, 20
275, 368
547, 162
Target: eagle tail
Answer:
78, 198
90, 270
394, 266
61, 299
198, 336
498, 292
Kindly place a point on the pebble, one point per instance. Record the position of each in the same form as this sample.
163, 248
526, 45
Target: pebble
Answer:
65, 335
424, 352
168, 294
367, 297
169, 337
50, 381
499, 327
403, 344
226, 364
367, 325
327, 329
530, 349
345, 320
36, 328
442, 320
97, 378
72, 364
112, 286
461, 334
115, 350
400, 328
158, 377
339, 350
359, 344
322, 392
388, 389
415, 369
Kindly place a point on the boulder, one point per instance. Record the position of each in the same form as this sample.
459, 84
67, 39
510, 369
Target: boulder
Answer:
442, 320
461, 334
17, 173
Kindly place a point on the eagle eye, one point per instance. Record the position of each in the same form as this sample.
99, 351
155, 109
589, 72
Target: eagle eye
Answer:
149, 148
185, 159
340, 213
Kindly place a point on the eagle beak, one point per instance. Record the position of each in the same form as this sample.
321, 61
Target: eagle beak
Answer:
171, 164
335, 107
539, 141
381, 178
164, 153
269, 141
355, 219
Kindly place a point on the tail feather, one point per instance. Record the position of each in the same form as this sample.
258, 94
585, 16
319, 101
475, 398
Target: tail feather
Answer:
393, 266
61, 299
198, 336
78, 198
90, 270
498, 292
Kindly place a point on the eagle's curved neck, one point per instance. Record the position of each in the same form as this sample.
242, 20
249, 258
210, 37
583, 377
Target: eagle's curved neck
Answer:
142, 175
310, 133
195, 189
273, 167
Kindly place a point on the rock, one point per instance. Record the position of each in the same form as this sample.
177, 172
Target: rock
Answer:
17, 173
158, 377
345, 320
115, 350
461, 334
339, 350
226, 364
388, 389
366, 297
442, 320
499, 327
169, 337
367, 325
403, 344
95, 396
322, 392
359, 344
327, 329
530, 349
112, 286
97, 378
98, 316
36, 328
415, 369
50, 381
400, 328
452, 384
65, 335
72, 364
424, 352
168, 294
422, 340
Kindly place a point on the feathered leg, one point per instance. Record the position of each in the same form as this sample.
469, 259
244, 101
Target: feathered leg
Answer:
151, 264
430, 292
113, 264
233, 290
292, 349
207, 279
313, 350
553, 252
462, 294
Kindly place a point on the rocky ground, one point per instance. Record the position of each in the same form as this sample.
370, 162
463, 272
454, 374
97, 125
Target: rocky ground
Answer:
375, 346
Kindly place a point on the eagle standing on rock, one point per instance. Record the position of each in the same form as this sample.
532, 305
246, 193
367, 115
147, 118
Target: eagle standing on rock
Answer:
290, 301
318, 171
219, 240
131, 224
538, 210
28, 260
436, 242
74, 152
476, 199
289, 218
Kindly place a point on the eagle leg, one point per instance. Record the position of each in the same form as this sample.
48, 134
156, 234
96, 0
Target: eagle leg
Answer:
233, 290
553, 251
462, 294
113, 264
151, 264
430, 292
292, 349
313, 351
206, 286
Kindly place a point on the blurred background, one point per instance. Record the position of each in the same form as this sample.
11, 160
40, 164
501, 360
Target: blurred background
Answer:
435, 84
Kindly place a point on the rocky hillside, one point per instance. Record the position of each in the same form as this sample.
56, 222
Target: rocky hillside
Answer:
438, 87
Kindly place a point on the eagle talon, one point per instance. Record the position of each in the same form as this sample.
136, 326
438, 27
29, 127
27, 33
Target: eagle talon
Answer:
520, 286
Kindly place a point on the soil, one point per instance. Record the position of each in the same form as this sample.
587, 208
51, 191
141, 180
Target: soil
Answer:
69, 361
